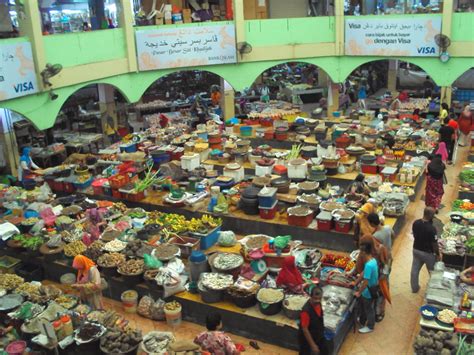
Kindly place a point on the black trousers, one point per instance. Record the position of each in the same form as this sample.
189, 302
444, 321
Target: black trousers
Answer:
450, 149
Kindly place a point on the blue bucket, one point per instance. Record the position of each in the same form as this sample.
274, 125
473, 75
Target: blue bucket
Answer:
202, 135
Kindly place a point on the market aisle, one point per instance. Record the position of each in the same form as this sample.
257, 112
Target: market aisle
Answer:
401, 319
395, 334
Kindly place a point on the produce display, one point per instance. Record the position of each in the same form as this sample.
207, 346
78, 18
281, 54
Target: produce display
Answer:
172, 306
165, 251
270, 295
131, 267
111, 259
89, 331
115, 246
435, 342
227, 261
336, 260
66, 301
157, 342
446, 316
94, 251
118, 342
295, 302
10, 281
75, 248
216, 281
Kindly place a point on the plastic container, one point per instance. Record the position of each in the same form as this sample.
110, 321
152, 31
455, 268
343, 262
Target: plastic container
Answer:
301, 218
197, 265
208, 240
246, 131
325, 222
67, 325
16, 347
173, 318
129, 148
190, 162
369, 169
268, 213
129, 301
118, 181
59, 330
343, 226
267, 197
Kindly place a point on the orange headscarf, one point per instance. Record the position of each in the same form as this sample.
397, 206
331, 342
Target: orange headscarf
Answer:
365, 227
82, 264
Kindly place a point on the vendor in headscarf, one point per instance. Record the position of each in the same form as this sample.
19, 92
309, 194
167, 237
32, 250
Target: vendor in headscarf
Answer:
363, 225
26, 165
359, 186
88, 282
289, 276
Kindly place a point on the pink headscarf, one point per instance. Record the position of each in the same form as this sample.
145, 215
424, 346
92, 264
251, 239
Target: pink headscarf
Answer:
442, 151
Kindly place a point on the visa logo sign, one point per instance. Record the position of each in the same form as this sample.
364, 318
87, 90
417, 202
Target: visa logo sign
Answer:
426, 50
23, 87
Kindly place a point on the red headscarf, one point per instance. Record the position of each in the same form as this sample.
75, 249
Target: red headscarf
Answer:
82, 264
289, 274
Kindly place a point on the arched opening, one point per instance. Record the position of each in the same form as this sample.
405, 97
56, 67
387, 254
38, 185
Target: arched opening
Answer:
463, 88
79, 127
377, 84
296, 84
187, 96
10, 123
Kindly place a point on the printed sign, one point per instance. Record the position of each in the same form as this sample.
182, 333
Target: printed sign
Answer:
164, 48
17, 70
410, 36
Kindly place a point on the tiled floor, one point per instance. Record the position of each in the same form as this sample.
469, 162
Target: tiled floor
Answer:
392, 336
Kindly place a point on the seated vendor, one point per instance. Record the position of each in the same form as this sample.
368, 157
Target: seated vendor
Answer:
214, 340
359, 186
467, 276
289, 276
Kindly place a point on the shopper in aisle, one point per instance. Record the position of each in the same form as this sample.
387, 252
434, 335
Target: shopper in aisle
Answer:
215, 95
88, 282
311, 332
367, 287
362, 95
447, 136
214, 340
428, 87
465, 124
425, 247
435, 175
444, 113
26, 166
289, 276
383, 234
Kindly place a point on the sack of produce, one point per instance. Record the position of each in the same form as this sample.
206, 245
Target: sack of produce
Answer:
227, 239
157, 310
144, 306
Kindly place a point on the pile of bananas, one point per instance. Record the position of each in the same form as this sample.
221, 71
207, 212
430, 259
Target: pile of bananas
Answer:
203, 224
173, 222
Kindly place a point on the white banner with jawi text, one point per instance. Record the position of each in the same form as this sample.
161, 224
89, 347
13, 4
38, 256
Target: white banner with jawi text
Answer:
410, 36
186, 46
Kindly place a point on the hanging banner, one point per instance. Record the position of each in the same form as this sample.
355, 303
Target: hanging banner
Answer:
17, 70
188, 46
411, 36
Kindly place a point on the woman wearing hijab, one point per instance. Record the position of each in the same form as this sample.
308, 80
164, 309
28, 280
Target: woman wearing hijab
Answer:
289, 276
363, 225
88, 281
26, 165
434, 182
465, 124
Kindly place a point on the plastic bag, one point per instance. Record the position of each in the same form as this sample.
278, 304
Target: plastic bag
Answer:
144, 306
176, 265
227, 239
172, 287
45, 192
158, 310
152, 262
281, 242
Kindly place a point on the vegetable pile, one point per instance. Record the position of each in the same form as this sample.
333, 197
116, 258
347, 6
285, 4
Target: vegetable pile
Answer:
118, 342
431, 342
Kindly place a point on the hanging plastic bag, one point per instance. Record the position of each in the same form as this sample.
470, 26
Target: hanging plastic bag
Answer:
151, 262
144, 306
158, 310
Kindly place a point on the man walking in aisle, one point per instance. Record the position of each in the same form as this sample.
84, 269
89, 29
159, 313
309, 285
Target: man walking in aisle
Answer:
425, 247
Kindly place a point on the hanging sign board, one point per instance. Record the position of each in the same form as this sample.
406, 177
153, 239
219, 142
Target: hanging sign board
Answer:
411, 36
17, 70
187, 46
